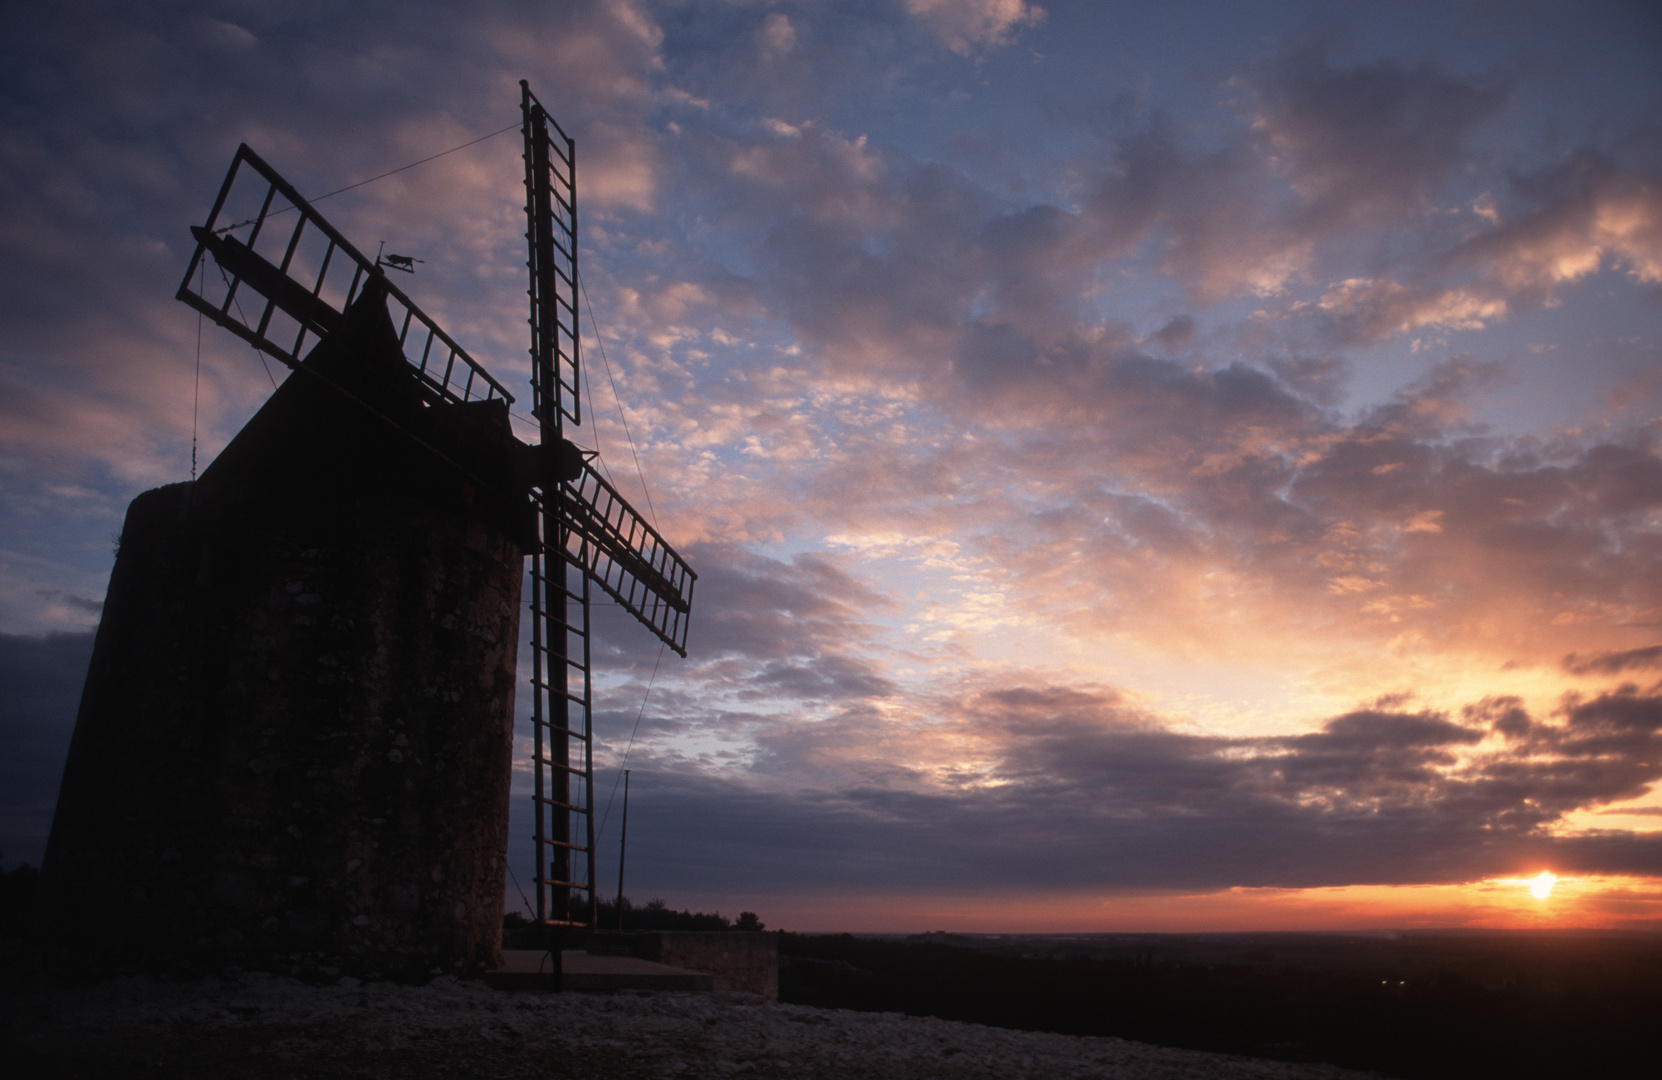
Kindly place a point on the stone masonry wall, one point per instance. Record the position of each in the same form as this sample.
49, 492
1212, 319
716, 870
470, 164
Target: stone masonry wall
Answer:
294, 746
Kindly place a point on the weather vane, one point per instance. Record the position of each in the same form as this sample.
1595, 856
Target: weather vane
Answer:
405, 263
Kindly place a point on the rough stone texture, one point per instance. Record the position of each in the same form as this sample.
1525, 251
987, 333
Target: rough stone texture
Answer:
262, 1026
745, 961
294, 744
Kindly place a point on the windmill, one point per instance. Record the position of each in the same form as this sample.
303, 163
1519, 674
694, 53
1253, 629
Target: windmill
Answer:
287, 284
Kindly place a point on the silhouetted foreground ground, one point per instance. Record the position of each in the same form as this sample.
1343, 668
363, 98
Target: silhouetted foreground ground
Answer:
1422, 1006
263, 1027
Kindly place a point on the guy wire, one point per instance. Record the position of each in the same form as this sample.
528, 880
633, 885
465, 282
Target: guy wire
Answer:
619, 777
528, 909
601, 342
371, 180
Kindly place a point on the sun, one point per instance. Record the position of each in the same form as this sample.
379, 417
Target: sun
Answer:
1541, 887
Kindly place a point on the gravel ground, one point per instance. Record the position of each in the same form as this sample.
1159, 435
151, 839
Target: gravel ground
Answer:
257, 1026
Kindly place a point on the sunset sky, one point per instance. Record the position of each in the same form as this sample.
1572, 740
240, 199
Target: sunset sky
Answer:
1149, 467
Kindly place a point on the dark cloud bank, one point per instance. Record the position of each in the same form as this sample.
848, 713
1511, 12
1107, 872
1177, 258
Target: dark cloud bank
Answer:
1087, 794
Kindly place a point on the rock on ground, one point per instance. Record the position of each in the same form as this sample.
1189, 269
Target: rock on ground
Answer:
258, 1026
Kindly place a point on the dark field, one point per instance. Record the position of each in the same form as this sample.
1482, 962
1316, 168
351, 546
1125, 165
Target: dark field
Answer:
1428, 1005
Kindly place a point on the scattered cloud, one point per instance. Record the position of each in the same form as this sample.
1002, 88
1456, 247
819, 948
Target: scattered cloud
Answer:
1610, 663
964, 25
777, 35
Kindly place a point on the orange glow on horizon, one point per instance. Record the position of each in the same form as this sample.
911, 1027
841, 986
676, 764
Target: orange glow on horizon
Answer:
1512, 903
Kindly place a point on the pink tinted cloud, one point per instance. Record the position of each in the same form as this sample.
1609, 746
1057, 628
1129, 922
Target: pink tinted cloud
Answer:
964, 25
1565, 225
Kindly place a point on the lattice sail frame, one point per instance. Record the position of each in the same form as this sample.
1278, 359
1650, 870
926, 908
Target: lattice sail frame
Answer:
562, 691
551, 235
629, 559
301, 286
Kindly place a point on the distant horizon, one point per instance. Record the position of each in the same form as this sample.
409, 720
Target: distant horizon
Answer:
1223, 912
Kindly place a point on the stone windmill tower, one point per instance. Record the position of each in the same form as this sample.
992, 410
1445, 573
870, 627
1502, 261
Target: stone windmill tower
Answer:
294, 746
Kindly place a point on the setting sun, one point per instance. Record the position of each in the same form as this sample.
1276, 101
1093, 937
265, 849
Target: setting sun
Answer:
1541, 887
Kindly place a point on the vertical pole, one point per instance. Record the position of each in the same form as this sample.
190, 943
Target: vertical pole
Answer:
590, 877
622, 848
539, 599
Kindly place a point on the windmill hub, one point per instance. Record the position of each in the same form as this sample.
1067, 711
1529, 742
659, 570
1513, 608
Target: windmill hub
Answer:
559, 462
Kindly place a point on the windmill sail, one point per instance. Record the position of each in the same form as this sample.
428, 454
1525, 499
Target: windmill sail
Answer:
628, 558
562, 691
551, 232
281, 307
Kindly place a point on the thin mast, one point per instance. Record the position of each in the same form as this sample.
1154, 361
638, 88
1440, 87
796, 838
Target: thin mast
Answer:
622, 848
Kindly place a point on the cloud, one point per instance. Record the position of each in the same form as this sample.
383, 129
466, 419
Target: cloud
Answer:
1369, 142
1562, 225
1610, 663
1207, 215
1076, 789
82, 605
1363, 309
1575, 217
783, 631
777, 35
962, 25
1320, 379
769, 609
1178, 332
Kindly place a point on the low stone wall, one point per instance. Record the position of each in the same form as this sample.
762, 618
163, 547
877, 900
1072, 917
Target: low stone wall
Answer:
747, 961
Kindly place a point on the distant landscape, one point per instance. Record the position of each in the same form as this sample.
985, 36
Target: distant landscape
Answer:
1419, 1005
1431, 1004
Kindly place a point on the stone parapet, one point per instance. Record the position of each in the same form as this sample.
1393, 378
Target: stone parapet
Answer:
746, 961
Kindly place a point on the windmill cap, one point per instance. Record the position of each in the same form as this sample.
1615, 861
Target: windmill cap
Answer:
559, 462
